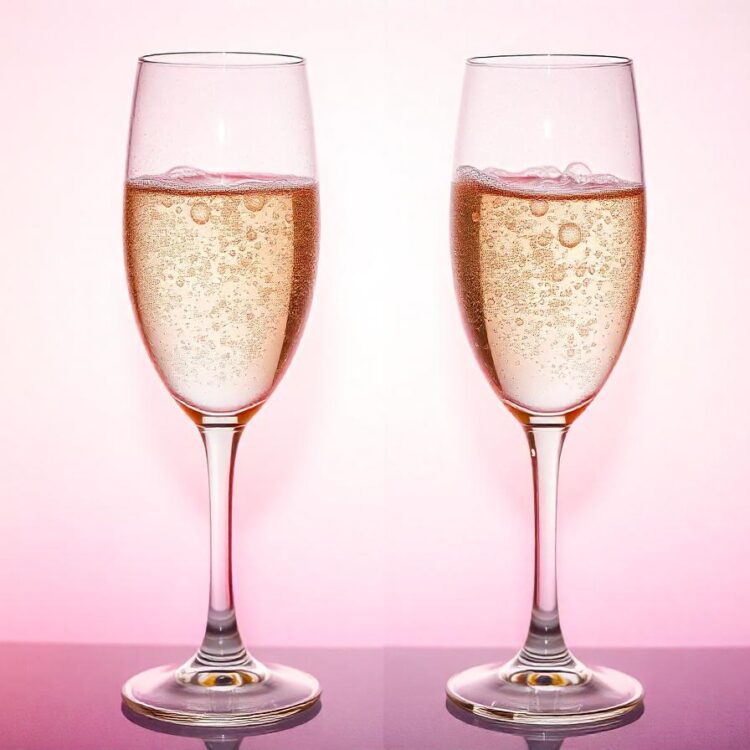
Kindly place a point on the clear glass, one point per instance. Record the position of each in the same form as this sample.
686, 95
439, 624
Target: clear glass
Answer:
548, 236
221, 242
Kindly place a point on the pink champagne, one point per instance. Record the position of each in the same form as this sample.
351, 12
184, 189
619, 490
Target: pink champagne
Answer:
221, 271
547, 268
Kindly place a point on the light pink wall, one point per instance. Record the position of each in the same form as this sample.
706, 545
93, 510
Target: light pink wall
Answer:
383, 493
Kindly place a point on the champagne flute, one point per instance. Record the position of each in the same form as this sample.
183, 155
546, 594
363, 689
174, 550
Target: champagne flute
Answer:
548, 233
221, 241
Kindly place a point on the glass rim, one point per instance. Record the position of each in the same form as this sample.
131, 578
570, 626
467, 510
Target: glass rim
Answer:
546, 60
222, 59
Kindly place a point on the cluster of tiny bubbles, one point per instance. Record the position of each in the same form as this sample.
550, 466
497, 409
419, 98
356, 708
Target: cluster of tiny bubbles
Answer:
555, 261
215, 284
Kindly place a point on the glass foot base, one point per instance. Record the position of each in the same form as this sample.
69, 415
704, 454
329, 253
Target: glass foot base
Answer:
519, 694
247, 695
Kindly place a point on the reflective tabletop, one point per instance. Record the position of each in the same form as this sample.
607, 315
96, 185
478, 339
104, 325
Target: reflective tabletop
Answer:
695, 698
68, 697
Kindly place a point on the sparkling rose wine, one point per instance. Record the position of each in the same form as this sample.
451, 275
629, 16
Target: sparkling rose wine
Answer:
221, 271
547, 268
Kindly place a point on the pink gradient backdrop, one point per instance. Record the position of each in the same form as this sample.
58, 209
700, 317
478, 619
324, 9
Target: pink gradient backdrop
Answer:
383, 495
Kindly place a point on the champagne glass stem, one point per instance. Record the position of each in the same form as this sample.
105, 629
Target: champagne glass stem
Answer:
222, 644
545, 645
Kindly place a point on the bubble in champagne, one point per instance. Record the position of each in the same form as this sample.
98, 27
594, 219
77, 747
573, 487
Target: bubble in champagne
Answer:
539, 208
545, 239
199, 212
577, 170
569, 234
254, 202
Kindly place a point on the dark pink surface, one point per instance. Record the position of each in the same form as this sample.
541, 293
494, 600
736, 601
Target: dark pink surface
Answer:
67, 697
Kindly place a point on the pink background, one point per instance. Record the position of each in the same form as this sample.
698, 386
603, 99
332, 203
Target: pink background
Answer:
383, 495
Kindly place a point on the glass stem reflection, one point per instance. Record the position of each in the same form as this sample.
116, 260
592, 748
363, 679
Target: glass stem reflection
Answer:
222, 644
545, 646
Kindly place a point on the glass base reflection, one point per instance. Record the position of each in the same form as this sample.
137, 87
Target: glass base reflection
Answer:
227, 738
544, 737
